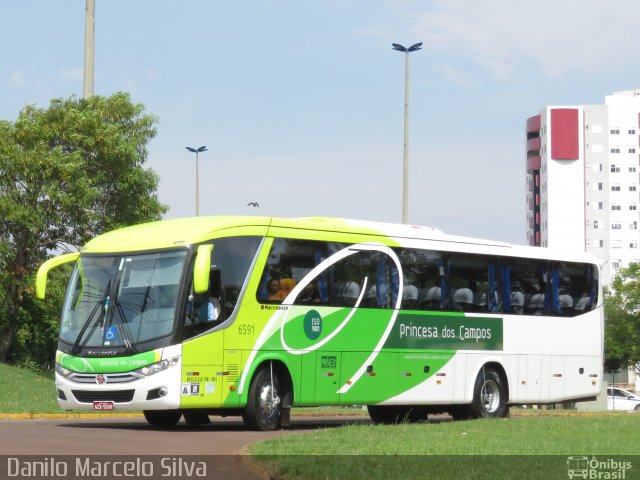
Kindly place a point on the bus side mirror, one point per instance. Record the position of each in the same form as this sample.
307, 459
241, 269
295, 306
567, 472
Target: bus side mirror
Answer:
43, 271
201, 269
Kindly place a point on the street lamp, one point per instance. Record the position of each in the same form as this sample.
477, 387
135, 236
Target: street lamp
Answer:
405, 156
197, 151
89, 47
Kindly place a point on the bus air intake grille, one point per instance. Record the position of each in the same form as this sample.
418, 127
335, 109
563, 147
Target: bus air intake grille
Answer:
233, 372
116, 396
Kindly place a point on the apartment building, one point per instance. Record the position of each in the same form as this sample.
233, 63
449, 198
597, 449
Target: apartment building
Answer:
583, 179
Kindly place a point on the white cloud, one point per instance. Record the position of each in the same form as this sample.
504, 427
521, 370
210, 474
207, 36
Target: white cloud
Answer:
553, 36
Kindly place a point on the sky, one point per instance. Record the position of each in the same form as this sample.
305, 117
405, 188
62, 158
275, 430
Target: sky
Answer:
301, 103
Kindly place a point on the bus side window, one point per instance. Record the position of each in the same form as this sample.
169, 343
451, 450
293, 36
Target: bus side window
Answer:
472, 283
423, 276
571, 288
289, 263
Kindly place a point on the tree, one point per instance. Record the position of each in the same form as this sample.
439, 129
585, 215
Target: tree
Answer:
67, 173
622, 320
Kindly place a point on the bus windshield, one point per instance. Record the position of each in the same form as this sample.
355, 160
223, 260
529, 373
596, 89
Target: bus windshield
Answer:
119, 301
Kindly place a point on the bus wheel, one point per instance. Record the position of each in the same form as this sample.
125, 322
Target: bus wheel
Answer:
162, 418
264, 407
393, 415
489, 396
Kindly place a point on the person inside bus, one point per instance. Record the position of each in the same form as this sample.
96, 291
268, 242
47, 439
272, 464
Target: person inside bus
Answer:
310, 293
286, 285
346, 292
273, 289
516, 298
213, 309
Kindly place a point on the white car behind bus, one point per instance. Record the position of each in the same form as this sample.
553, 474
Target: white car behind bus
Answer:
619, 399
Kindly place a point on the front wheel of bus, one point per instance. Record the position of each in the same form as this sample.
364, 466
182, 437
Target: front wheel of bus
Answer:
264, 405
162, 418
489, 396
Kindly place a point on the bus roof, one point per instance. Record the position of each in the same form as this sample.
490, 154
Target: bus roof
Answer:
193, 230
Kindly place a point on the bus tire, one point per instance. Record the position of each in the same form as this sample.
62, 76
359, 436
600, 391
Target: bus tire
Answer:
162, 418
381, 414
264, 404
489, 395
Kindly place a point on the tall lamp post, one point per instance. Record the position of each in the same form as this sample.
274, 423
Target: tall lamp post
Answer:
405, 156
89, 47
197, 151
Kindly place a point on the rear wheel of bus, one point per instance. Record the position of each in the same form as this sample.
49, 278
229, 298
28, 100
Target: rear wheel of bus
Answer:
264, 404
489, 395
162, 418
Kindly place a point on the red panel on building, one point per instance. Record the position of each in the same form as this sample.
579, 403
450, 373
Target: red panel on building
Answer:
533, 145
564, 134
534, 163
533, 124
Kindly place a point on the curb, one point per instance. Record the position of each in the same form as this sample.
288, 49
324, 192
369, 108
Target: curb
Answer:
40, 416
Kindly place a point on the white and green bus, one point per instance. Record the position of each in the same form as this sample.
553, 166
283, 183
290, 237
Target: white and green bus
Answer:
253, 315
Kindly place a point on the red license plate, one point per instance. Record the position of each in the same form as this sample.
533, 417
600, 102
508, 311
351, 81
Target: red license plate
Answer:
103, 406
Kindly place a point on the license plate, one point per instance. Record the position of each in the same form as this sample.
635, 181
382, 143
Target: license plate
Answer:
103, 406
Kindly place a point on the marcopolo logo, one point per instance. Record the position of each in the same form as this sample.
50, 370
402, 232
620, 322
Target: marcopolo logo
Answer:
597, 468
312, 324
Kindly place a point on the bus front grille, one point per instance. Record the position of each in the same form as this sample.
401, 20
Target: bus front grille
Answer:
116, 396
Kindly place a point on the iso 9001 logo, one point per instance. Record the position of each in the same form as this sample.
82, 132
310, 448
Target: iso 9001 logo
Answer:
597, 468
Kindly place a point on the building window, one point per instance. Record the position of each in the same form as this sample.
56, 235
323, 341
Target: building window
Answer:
633, 207
615, 263
615, 131
616, 226
601, 243
616, 207
632, 168
615, 168
632, 188
632, 131
599, 185
633, 226
615, 188
600, 205
595, 224
633, 245
632, 150
615, 150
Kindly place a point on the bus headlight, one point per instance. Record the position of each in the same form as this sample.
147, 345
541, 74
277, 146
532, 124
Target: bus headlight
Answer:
60, 370
157, 367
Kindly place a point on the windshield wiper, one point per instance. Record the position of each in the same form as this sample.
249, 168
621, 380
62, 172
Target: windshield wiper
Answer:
127, 338
103, 301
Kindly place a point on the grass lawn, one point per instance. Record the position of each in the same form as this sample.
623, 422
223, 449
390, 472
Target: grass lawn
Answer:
519, 447
25, 391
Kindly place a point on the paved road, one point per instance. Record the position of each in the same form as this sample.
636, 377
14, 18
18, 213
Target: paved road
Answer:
223, 438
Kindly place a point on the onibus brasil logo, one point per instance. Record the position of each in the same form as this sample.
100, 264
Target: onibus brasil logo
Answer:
596, 468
